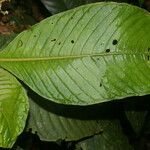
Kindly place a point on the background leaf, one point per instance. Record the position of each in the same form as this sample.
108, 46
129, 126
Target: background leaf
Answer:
111, 138
135, 111
57, 122
13, 109
88, 55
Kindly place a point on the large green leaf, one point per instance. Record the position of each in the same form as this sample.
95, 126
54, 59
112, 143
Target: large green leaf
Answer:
51, 126
112, 138
13, 109
91, 54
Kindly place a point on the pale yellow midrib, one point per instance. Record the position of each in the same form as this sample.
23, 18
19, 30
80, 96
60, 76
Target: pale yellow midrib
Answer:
66, 57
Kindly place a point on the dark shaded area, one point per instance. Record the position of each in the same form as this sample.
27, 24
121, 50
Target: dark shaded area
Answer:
81, 112
108, 110
146, 5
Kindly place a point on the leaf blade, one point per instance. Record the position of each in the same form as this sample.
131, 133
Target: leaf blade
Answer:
51, 126
75, 46
13, 109
111, 138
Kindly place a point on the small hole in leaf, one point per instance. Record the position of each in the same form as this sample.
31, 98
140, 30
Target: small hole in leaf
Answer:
59, 43
72, 41
98, 58
115, 42
107, 50
52, 23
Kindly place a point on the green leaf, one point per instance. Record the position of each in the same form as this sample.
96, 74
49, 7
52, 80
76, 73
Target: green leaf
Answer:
111, 138
52, 127
13, 109
91, 54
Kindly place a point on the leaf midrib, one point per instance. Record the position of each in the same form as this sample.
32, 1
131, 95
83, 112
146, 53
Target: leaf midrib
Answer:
67, 57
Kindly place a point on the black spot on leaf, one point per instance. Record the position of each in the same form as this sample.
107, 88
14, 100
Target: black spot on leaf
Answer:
100, 85
107, 50
59, 43
72, 41
115, 42
53, 40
